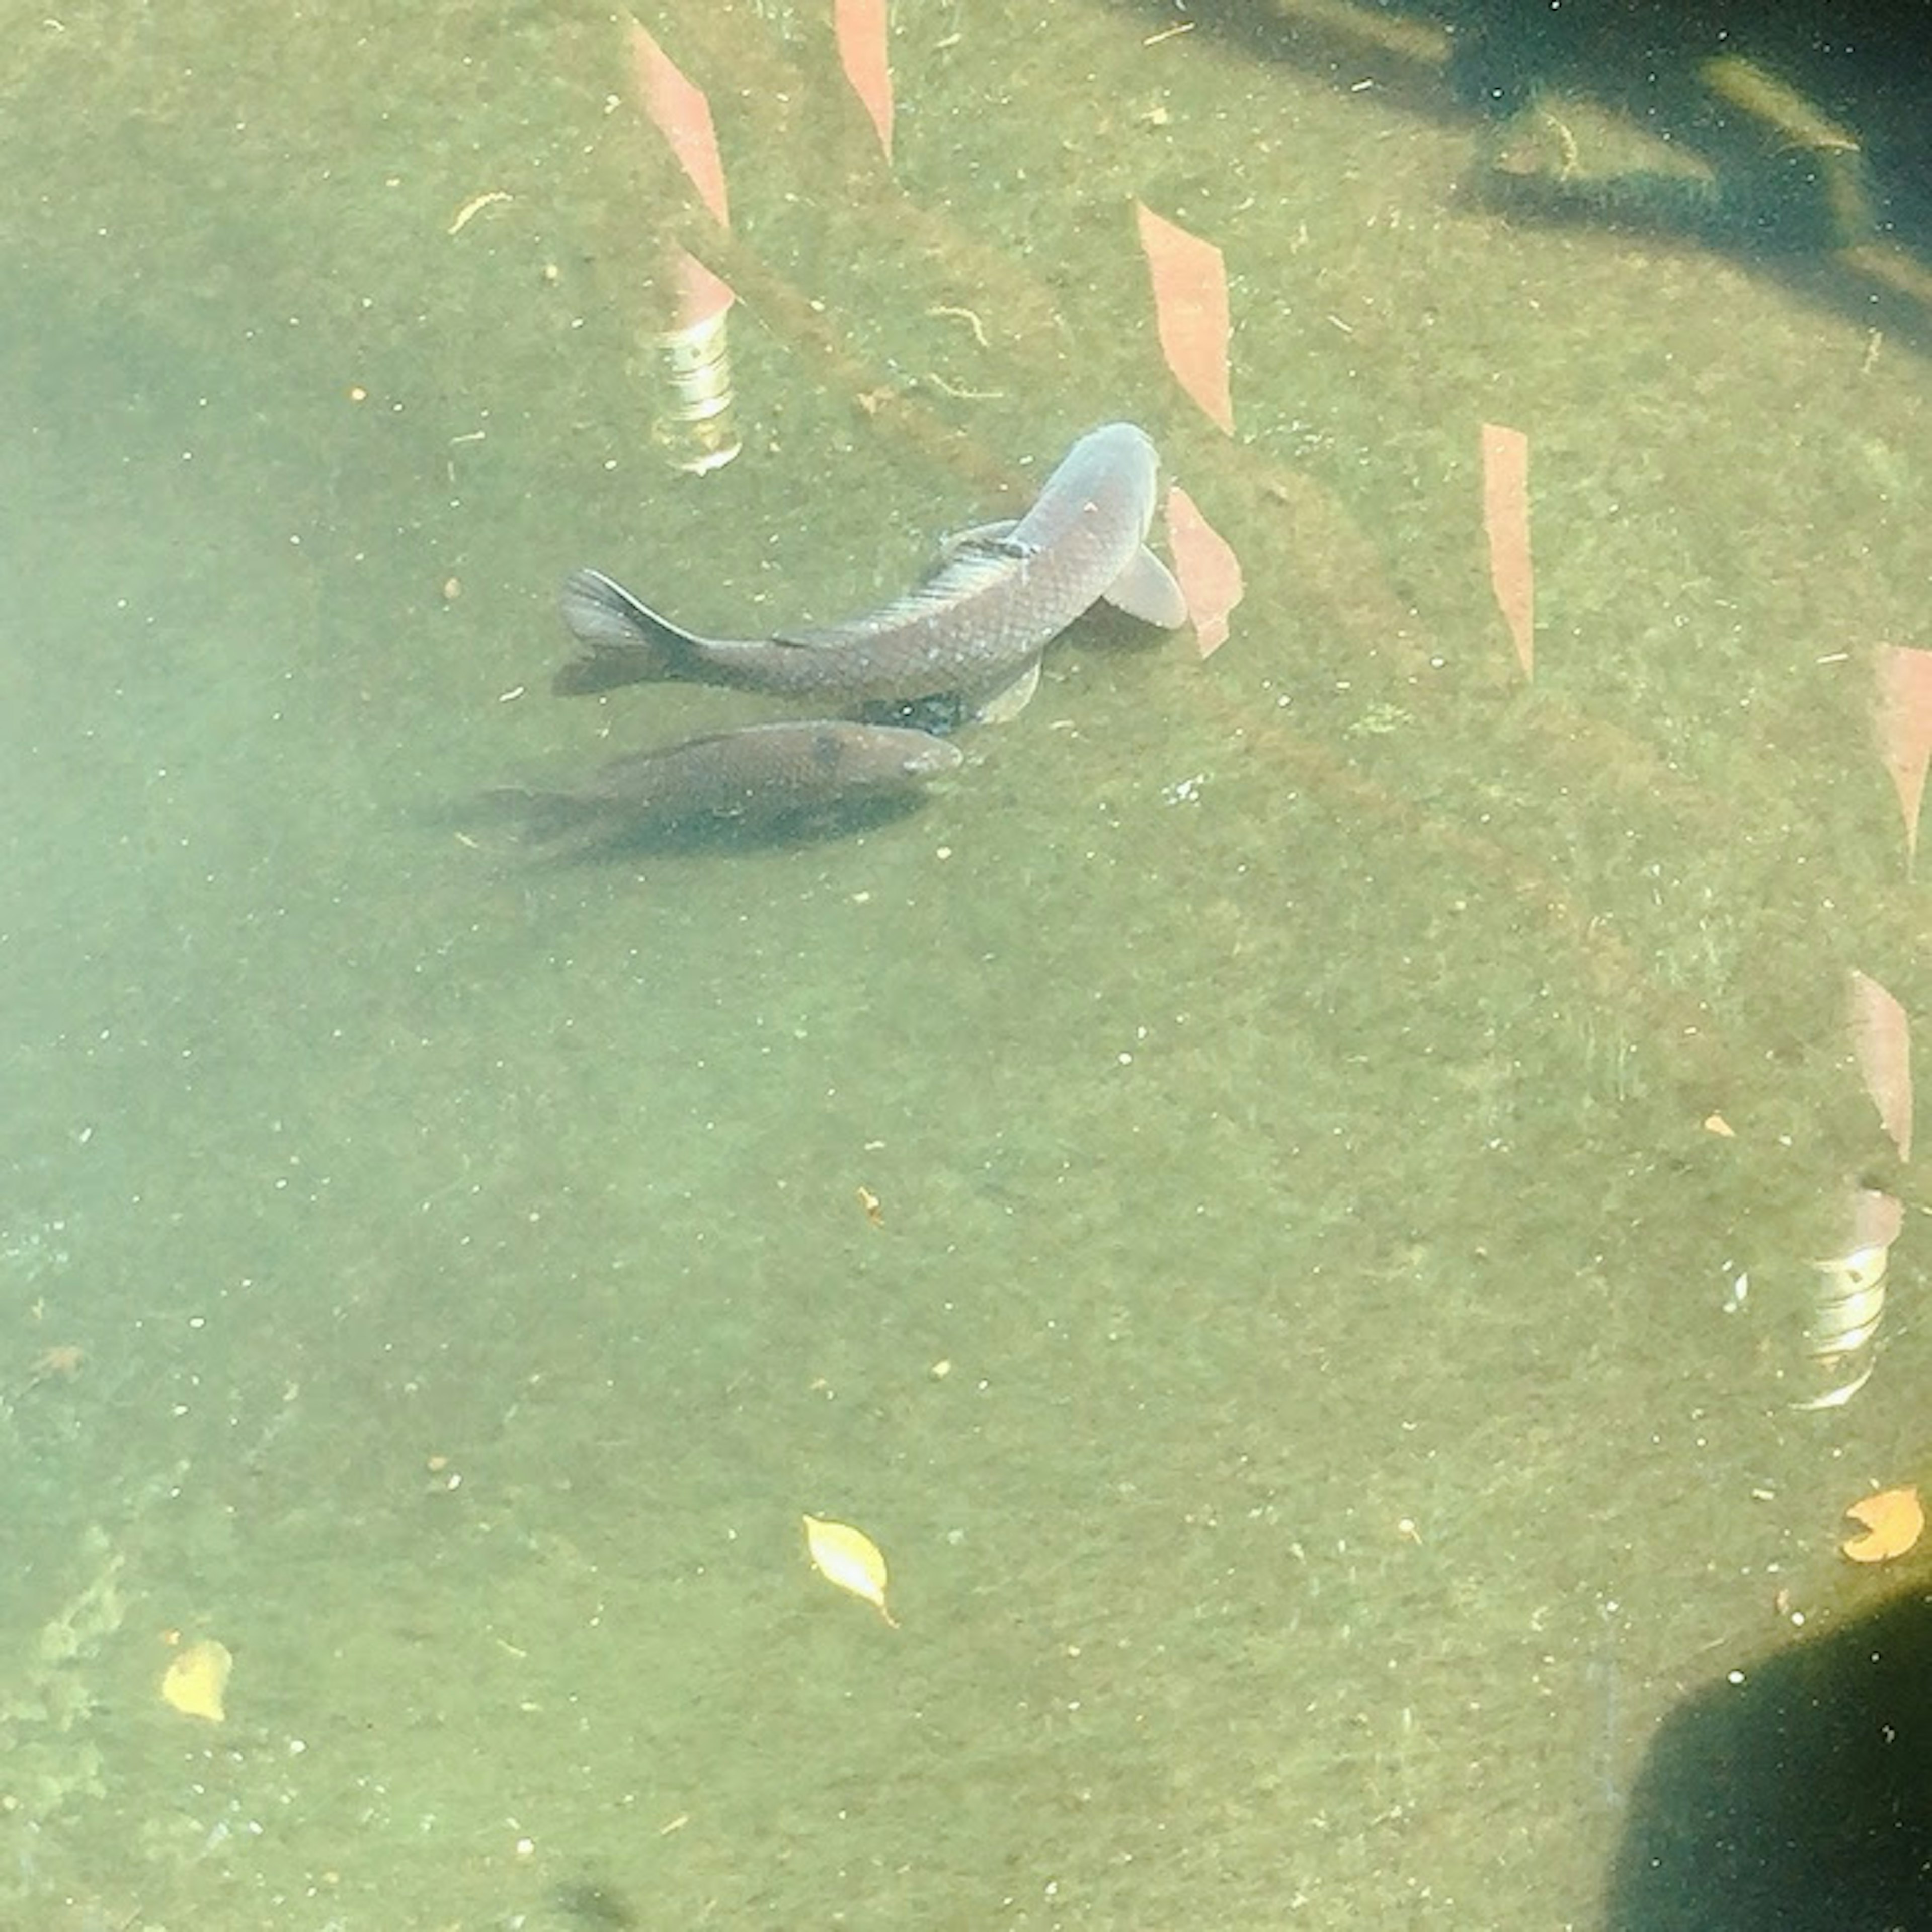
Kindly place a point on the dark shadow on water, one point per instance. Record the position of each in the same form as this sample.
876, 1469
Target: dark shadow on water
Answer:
529, 827
1806, 128
593, 1905
1799, 1800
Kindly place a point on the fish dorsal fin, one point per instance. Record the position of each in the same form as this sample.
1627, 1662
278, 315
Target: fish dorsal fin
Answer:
981, 536
1146, 589
971, 566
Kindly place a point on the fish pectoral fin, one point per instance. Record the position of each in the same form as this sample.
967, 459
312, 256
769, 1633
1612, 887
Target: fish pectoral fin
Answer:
1003, 706
1146, 589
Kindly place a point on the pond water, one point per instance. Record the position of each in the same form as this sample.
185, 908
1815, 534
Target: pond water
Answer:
1287, 1198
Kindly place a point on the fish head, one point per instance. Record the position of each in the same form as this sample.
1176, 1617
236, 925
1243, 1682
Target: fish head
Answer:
881, 757
1123, 454
931, 758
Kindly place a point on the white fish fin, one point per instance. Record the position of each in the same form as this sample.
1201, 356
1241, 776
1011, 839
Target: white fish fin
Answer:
1006, 703
1146, 589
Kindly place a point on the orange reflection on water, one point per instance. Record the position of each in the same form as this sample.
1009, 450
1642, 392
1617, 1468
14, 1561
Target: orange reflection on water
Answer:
1190, 308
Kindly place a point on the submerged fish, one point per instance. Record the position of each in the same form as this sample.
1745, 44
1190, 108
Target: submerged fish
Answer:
760, 775
976, 627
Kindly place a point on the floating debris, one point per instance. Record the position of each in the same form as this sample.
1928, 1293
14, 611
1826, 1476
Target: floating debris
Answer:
850, 1560
1894, 1521
196, 1679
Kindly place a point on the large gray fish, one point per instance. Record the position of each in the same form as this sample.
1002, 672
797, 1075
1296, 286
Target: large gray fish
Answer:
974, 629
759, 776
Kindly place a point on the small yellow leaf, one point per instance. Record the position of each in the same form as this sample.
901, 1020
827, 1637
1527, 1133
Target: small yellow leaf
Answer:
196, 1679
1894, 1521
850, 1559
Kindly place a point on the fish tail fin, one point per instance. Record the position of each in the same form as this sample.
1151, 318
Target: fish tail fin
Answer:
542, 816
624, 641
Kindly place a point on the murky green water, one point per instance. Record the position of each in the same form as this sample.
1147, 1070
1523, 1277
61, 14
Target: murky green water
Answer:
1300, 1381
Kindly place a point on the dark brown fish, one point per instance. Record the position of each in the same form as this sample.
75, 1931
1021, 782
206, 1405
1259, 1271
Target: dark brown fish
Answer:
757, 776
975, 628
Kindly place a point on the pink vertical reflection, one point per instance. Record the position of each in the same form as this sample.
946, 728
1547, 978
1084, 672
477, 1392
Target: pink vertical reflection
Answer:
1209, 570
860, 26
1506, 524
677, 108
1882, 1039
1877, 1219
1190, 310
1904, 721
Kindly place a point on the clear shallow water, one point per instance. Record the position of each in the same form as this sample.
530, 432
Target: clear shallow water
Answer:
1295, 1382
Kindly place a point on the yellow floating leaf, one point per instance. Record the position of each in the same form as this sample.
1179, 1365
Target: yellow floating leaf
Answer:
1894, 1521
849, 1559
196, 1679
